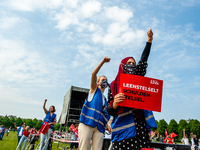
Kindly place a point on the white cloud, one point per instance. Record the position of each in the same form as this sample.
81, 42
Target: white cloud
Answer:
196, 81
188, 3
116, 28
32, 5
71, 3
117, 14
14, 95
21, 66
65, 19
119, 38
8, 22
89, 8
87, 56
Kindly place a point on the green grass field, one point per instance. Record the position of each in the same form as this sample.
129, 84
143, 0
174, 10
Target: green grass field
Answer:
10, 142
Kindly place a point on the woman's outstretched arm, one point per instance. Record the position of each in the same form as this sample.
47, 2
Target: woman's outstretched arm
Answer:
93, 84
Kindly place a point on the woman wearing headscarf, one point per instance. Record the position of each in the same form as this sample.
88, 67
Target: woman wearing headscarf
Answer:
130, 126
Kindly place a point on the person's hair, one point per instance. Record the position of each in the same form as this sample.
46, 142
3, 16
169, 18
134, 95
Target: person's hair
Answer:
54, 110
98, 79
22, 123
76, 125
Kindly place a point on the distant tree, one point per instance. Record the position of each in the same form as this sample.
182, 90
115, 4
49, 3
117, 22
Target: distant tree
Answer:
198, 133
6, 121
38, 125
157, 122
12, 120
194, 127
35, 122
18, 122
1, 120
24, 120
153, 129
182, 125
162, 125
56, 126
172, 127
29, 123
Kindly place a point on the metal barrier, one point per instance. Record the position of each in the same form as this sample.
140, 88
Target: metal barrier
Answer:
165, 146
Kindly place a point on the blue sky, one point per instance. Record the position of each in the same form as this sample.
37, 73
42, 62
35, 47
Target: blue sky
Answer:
46, 46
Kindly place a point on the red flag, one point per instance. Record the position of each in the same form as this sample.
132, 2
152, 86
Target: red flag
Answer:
173, 135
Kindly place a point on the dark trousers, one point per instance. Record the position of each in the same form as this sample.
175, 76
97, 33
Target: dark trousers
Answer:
1, 135
18, 139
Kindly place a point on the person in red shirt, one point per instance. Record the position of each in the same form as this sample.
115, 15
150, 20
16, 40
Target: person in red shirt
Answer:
74, 136
23, 139
33, 131
33, 138
168, 138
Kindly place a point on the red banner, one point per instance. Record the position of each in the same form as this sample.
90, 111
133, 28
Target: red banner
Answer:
44, 128
141, 92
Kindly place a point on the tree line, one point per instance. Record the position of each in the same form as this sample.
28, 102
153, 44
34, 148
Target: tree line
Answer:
9, 122
177, 127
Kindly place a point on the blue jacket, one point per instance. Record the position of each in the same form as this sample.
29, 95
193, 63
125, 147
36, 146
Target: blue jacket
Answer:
94, 114
49, 119
123, 125
3, 130
19, 130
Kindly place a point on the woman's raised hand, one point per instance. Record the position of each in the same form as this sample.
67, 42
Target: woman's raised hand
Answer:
106, 59
150, 36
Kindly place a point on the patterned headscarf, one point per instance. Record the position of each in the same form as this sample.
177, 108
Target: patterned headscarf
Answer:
115, 84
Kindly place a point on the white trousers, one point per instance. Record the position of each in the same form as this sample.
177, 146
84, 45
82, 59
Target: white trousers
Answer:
86, 134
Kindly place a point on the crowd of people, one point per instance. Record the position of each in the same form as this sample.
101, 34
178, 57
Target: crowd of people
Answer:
128, 128
169, 138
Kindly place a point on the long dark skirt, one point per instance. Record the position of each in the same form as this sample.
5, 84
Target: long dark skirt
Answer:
141, 140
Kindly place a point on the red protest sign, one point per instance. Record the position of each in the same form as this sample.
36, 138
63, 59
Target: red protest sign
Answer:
141, 92
44, 128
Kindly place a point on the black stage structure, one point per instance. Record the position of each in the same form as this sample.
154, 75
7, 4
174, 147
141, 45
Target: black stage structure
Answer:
72, 105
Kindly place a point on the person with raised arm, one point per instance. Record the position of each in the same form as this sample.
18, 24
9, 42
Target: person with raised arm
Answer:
94, 116
185, 138
24, 138
50, 119
130, 126
19, 131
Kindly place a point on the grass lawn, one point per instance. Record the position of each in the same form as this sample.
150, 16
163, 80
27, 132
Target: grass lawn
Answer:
10, 142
